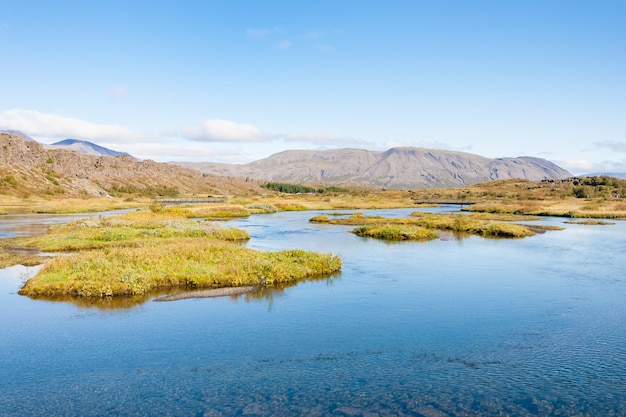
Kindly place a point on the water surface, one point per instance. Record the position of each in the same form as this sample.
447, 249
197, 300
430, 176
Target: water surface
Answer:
449, 327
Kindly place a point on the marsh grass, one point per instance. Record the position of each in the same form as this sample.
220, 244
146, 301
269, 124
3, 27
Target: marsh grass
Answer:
174, 263
10, 256
57, 205
396, 232
143, 251
217, 212
590, 222
261, 208
125, 230
456, 223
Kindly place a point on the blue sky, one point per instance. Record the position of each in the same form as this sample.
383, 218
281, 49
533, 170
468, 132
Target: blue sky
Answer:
235, 81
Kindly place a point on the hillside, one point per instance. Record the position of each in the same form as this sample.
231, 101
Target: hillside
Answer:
28, 168
395, 168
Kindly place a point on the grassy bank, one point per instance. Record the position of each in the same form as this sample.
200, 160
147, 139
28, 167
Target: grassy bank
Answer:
141, 252
59, 205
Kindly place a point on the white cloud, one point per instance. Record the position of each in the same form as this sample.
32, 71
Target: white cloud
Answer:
612, 145
117, 92
216, 130
322, 139
421, 144
55, 126
585, 166
285, 44
257, 33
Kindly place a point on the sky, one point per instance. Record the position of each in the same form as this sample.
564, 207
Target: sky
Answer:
235, 81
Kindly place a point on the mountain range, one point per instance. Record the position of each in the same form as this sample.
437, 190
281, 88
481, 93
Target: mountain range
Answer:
402, 167
399, 168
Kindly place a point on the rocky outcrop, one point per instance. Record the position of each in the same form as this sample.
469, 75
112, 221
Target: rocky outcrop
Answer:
395, 168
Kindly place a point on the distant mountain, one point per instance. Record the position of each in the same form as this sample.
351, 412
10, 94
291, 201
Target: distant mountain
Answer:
608, 174
18, 134
398, 168
86, 148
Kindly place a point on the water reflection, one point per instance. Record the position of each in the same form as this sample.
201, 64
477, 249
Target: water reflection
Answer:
14, 225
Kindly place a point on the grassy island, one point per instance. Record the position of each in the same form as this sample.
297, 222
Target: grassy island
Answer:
145, 251
420, 225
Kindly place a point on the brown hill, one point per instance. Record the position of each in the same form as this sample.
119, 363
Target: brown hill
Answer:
27, 168
394, 168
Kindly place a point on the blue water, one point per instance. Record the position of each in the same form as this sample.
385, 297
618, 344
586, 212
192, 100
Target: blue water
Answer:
451, 327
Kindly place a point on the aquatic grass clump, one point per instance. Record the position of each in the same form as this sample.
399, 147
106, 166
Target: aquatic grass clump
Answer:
219, 212
290, 206
174, 263
590, 222
320, 219
125, 230
506, 230
396, 232
143, 251
261, 208
455, 223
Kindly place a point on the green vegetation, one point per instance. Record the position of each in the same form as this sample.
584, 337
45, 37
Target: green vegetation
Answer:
151, 191
288, 188
174, 263
283, 187
261, 208
126, 230
144, 251
457, 223
590, 222
10, 181
396, 232
216, 212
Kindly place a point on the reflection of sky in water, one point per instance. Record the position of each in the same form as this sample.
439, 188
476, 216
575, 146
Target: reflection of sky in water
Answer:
448, 327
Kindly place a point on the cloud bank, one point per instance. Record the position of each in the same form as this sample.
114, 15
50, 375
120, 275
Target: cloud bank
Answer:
612, 145
35, 123
218, 130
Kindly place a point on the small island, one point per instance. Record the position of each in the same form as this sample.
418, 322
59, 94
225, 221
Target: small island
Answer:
144, 251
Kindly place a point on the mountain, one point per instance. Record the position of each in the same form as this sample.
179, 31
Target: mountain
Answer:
18, 134
403, 167
608, 174
86, 148
29, 168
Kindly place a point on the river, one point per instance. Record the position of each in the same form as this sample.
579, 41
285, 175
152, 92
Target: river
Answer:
450, 327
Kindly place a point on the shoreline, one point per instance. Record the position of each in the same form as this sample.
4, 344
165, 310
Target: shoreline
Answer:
215, 292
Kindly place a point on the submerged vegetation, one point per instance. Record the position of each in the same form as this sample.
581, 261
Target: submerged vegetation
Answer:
144, 251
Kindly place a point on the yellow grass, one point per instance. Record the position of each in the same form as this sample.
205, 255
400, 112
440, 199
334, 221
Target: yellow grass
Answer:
143, 251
